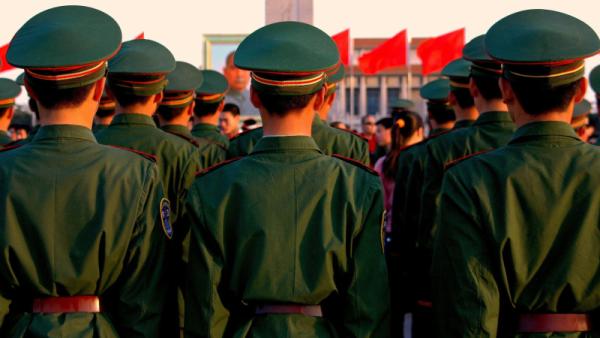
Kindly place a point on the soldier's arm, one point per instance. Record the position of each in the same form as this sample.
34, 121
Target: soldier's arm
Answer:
465, 293
432, 181
139, 299
187, 174
205, 314
365, 299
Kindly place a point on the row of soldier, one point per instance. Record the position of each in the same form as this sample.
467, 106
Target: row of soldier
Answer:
160, 235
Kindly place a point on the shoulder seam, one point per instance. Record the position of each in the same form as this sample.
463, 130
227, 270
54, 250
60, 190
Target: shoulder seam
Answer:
10, 146
147, 156
356, 163
189, 139
456, 161
215, 166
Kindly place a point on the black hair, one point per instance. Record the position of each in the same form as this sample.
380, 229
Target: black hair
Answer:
463, 98
169, 113
537, 100
405, 126
280, 105
386, 122
202, 109
51, 97
127, 99
3, 111
440, 113
488, 87
232, 108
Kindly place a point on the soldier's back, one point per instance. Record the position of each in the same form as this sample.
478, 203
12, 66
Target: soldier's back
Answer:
74, 213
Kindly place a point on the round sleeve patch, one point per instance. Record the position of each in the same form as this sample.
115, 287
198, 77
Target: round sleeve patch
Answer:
165, 213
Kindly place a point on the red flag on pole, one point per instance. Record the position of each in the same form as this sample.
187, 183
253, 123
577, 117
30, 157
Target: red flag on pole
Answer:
436, 53
342, 40
5, 66
139, 37
391, 53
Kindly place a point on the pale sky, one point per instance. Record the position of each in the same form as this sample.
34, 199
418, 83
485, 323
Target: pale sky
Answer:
181, 24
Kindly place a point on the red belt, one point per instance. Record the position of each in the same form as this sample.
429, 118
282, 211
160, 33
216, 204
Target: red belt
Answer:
66, 304
307, 310
554, 322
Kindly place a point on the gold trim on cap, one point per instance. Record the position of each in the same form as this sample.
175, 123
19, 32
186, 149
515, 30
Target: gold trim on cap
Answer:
548, 76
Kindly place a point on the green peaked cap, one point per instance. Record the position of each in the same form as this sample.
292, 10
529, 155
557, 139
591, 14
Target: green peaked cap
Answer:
482, 64
287, 47
540, 36
185, 77
595, 79
582, 108
436, 90
458, 71
142, 56
64, 36
21, 79
402, 104
214, 83
337, 76
288, 58
9, 90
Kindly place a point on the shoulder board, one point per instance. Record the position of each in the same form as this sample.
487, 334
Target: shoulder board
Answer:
353, 133
356, 163
454, 162
185, 137
150, 157
218, 165
244, 133
10, 146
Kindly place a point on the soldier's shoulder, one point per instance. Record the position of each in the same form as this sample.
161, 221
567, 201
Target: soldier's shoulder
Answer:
464, 158
191, 140
256, 132
139, 153
6, 149
217, 166
356, 163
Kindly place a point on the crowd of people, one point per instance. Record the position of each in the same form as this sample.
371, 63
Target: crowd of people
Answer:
136, 208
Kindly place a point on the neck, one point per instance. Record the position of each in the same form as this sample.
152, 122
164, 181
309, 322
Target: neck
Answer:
462, 114
208, 119
293, 123
147, 109
181, 120
522, 118
82, 115
106, 120
485, 106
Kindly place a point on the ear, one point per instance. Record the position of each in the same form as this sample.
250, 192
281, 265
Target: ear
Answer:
158, 98
473, 88
255, 99
331, 98
581, 89
452, 99
190, 109
10, 112
29, 91
98, 89
508, 95
319, 99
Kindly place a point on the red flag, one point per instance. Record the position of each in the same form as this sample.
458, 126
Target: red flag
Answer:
139, 37
436, 53
389, 54
5, 66
342, 40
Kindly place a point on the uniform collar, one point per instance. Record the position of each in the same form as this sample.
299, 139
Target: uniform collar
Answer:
544, 129
437, 131
205, 127
176, 128
493, 117
463, 124
317, 120
64, 131
285, 143
133, 118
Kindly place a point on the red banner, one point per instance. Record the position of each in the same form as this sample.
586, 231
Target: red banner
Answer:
391, 53
5, 66
436, 53
342, 40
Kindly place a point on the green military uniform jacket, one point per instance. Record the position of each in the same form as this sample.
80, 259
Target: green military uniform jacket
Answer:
519, 233
177, 159
330, 140
286, 224
4, 138
211, 152
463, 124
96, 128
210, 132
79, 218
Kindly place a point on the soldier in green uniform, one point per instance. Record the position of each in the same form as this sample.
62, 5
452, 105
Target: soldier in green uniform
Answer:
518, 243
581, 120
405, 209
81, 241
137, 76
9, 90
177, 106
210, 100
460, 98
330, 140
105, 113
286, 242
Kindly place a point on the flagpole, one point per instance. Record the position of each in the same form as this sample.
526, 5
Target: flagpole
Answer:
409, 68
352, 80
